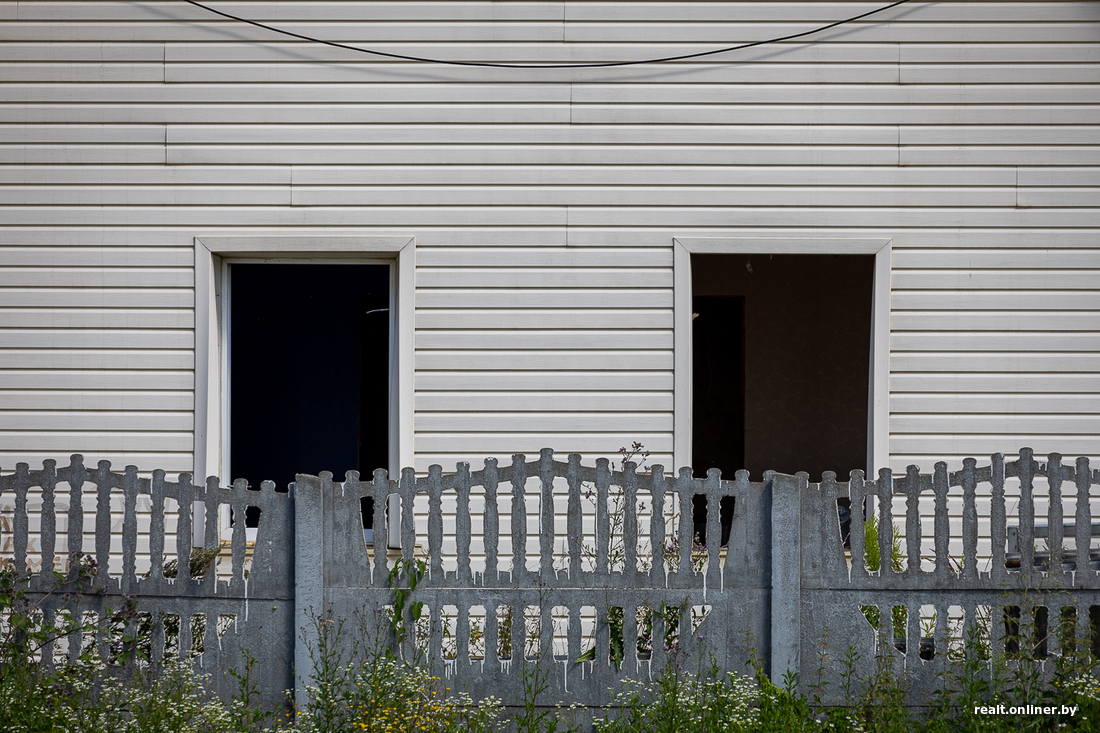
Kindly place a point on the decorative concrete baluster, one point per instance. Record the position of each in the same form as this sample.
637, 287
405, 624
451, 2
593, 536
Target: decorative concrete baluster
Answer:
1055, 516
685, 492
408, 524
48, 522
435, 632
997, 524
156, 532
630, 523
272, 540
941, 530
1026, 472
185, 495
462, 636
659, 656
76, 477
969, 480
519, 633
857, 526
573, 634
912, 521
1083, 518
912, 630
546, 631
239, 538
630, 638
463, 526
492, 635
210, 537
519, 522
657, 489
156, 636
435, 524
380, 490
603, 519
575, 520
602, 640
130, 484
885, 523
997, 628
712, 489
546, 515
104, 480
491, 523
21, 528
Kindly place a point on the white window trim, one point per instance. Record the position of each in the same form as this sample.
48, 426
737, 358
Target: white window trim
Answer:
211, 404
878, 408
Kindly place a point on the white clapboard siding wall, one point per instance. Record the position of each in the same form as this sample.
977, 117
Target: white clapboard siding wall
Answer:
544, 203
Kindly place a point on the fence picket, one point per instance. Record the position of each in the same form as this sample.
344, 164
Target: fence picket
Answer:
1083, 519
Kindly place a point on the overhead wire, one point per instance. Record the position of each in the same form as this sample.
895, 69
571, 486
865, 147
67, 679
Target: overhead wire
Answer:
496, 65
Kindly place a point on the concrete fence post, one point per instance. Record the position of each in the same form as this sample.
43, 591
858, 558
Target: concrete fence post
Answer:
786, 572
308, 579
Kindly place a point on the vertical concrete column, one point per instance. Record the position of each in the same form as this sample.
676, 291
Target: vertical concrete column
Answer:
786, 566
308, 578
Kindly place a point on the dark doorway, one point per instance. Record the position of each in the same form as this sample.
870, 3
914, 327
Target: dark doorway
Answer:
309, 359
781, 355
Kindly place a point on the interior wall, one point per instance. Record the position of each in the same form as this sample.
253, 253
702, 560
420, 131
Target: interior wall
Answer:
807, 330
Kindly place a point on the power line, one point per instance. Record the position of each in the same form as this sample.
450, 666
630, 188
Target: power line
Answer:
489, 64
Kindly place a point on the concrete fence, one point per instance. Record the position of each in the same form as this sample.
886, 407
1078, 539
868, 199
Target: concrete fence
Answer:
588, 574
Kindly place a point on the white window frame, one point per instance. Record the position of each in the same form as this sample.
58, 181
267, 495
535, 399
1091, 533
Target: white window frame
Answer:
214, 253
878, 398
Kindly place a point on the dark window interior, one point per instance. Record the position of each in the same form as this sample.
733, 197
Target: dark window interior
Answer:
781, 361
309, 356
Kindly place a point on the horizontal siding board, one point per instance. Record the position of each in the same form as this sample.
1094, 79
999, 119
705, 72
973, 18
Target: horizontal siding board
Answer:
1009, 320
545, 401
1080, 341
96, 420
994, 259
119, 338
84, 73
140, 175
986, 135
542, 257
1058, 197
813, 94
514, 134
91, 52
868, 31
997, 74
994, 155
296, 94
130, 400
293, 52
882, 218
624, 359
549, 422
90, 380
623, 154
654, 196
1004, 300
543, 298
171, 462
1009, 403
630, 178
606, 444
90, 359
996, 380
318, 10
543, 340
16, 154
1058, 177
578, 380
97, 297
96, 318
998, 53
982, 361
995, 424
146, 195
544, 277
59, 276
1056, 280
932, 445
99, 440
347, 71
489, 320
866, 112
98, 257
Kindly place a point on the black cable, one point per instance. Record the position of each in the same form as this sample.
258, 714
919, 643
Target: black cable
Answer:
605, 64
